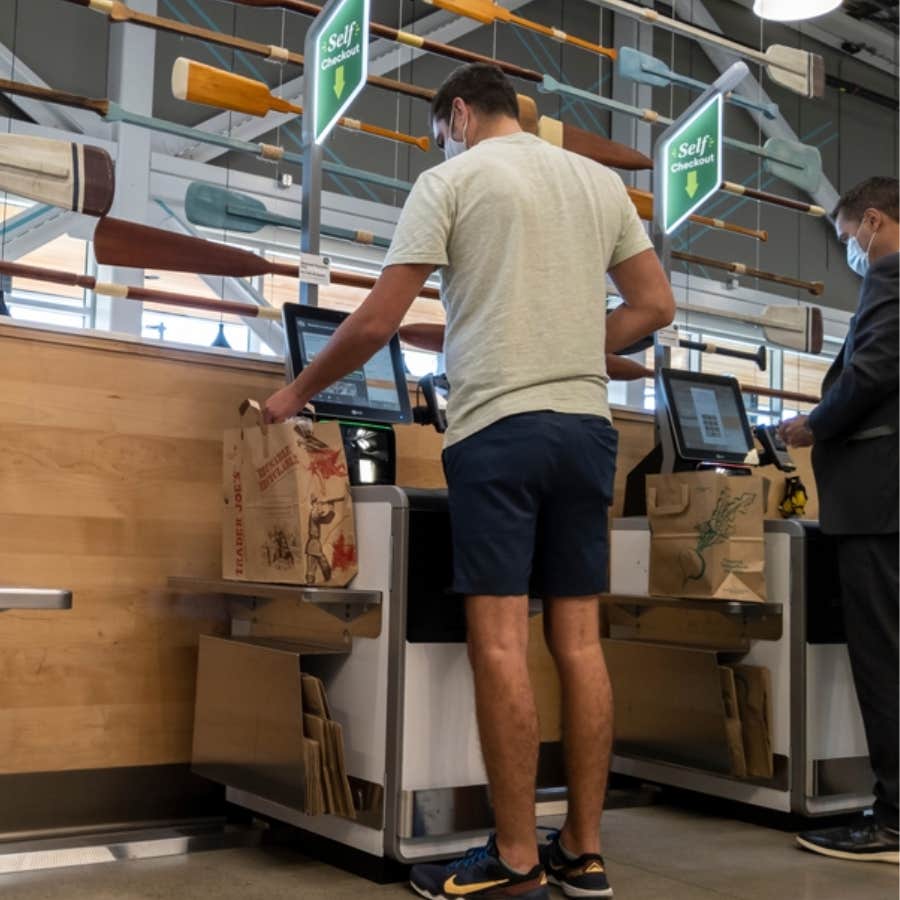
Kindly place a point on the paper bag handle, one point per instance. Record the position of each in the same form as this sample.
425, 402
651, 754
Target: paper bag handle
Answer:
249, 404
672, 509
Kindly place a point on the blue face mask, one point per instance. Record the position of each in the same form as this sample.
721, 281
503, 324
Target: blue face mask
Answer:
453, 147
857, 258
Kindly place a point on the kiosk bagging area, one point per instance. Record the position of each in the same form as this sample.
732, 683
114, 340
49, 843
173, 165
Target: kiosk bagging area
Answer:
740, 699
388, 650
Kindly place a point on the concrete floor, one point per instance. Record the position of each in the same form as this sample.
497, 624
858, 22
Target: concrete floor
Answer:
653, 853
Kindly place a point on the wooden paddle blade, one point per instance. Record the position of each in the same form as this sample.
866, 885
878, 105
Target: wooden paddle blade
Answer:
528, 114
593, 146
215, 207
797, 327
424, 335
60, 173
642, 67
484, 11
121, 243
199, 83
797, 70
793, 162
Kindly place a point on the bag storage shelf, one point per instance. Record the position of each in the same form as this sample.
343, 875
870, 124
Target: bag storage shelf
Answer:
695, 680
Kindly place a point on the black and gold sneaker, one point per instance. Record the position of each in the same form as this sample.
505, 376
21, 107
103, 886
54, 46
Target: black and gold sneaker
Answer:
479, 874
579, 876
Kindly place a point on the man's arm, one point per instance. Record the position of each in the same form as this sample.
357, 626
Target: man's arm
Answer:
648, 300
871, 371
359, 337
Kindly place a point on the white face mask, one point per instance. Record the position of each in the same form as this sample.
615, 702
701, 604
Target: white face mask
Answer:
453, 147
857, 258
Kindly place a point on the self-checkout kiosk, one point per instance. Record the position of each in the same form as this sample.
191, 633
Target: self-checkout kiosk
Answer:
820, 760
390, 650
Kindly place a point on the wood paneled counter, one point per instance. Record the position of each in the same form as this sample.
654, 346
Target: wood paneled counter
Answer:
110, 461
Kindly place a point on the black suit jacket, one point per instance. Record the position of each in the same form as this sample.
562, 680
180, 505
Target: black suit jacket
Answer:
855, 462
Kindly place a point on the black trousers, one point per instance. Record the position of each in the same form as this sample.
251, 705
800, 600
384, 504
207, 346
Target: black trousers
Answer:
869, 593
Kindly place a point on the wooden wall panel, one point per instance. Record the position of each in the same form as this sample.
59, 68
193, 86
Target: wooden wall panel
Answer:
110, 456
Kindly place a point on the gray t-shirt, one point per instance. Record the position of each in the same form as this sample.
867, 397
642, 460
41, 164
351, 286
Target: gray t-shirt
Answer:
524, 233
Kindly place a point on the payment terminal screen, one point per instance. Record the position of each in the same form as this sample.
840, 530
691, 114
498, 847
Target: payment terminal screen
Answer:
710, 416
374, 386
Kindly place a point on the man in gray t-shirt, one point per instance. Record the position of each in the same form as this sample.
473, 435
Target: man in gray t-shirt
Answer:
524, 235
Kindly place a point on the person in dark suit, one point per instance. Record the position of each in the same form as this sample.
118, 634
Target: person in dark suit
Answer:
853, 433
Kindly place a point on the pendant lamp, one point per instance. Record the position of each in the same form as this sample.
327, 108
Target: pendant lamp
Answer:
221, 340
793, 10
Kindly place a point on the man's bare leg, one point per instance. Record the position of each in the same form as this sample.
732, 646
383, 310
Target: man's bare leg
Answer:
507, 720
572, 632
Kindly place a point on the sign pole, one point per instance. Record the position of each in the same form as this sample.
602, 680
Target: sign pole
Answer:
687, 166
336, 54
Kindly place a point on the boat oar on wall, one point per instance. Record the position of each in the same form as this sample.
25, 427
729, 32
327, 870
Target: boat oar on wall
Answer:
121, 243
813, 287
128, 292
119, 12
214, 207
406, 38
646, 69
112, 112
197, 82
487, 12
797, 70
73, 176
793, 162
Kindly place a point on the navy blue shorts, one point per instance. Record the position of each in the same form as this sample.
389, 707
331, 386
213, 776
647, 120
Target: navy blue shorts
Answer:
529, 498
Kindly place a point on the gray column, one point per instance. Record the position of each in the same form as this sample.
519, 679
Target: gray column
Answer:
132, 57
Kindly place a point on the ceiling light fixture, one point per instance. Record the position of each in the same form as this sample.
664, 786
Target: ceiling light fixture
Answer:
793, 10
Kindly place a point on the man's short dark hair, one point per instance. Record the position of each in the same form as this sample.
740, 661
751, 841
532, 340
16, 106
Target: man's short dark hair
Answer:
878, 192
481, 85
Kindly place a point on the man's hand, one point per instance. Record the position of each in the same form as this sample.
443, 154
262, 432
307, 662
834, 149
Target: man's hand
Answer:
282, 405
796, 433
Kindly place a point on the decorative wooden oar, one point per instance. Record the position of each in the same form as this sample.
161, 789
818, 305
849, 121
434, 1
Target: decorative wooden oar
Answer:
215, 207
797, 70
73, 176
798, 164
577, 140
197, 82
119, 12
775, 199
798, 327
814, 287
112, 112
487, 12
127, 292
121, 243
643, 201
759, 356
646, 69
405, 38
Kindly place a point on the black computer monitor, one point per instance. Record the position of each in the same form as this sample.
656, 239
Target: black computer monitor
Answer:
374, 393
706, 416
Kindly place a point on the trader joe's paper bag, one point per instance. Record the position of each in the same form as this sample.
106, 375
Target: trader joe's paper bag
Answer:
707, 535
288, 514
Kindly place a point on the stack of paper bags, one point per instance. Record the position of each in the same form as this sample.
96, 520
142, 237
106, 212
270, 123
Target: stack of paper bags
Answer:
327, 786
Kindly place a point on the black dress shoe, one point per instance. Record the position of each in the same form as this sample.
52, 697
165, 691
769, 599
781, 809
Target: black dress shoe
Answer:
866, 841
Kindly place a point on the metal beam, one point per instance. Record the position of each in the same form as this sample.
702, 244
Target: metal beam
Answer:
695, 12
33, 227
270, 333
47, 114
384, 57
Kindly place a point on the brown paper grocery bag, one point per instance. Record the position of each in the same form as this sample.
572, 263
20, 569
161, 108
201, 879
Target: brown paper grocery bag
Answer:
288, 515
707, 536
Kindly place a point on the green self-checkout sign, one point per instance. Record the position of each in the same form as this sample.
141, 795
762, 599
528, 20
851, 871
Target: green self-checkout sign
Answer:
341, 62
693, 163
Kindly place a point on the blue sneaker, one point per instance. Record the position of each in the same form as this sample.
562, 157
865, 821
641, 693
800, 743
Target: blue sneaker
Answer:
580, 876
480, 873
